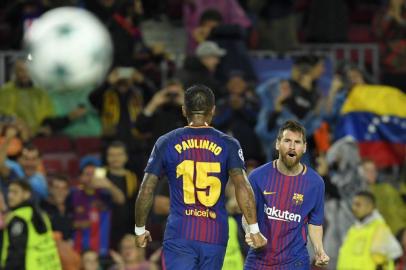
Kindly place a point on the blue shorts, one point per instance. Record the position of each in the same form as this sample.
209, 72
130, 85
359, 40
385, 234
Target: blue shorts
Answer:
181, 254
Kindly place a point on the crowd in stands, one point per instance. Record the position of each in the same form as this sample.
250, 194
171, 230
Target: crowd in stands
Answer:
83, 152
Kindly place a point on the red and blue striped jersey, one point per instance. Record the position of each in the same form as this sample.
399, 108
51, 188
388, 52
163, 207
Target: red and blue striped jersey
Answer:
285, 205
196, 162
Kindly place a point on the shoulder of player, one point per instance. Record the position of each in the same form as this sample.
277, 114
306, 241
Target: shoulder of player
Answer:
163, 139
261, 170
313, 176
227, 138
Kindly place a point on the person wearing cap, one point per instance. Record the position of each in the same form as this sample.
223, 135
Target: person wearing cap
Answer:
201, 67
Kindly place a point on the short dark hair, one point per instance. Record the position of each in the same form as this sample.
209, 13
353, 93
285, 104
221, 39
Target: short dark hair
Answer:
292, 126
367, 195
23, 184
199, 99
29, 146
210, 15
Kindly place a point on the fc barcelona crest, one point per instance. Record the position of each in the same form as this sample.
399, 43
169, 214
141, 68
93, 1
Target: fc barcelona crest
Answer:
297, 198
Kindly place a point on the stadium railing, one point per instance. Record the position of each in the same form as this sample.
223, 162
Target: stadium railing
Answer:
365, 55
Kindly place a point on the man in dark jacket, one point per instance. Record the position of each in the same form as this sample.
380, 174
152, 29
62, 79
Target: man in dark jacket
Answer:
201, 68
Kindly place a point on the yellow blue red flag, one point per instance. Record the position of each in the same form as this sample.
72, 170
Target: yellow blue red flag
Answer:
375, 115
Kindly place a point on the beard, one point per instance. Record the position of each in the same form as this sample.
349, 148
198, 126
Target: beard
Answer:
290, 162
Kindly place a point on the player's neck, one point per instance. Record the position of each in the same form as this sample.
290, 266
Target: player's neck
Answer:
283, 169
198, 124
198, 121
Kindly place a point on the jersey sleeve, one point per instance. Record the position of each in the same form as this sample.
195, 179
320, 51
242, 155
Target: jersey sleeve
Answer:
316, 216
235, 157
155, 161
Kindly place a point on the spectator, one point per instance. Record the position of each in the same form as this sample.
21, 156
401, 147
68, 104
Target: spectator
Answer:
58, 207
28, 241
6, 173
119, 103
296, 98
390, 29
28, 166
34, 109
20, 98
164, 112
230, 10
122, 215
209, 20
230, 37
237, 113
389, 201
342, 159
92, 201
277, 24
73, 115
131, 257
341, 86
90, 260
202, 67
369, 244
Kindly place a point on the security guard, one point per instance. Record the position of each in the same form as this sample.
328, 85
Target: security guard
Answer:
27, 242
369, 244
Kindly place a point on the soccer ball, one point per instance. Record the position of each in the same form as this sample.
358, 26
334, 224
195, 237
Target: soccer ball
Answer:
68, 49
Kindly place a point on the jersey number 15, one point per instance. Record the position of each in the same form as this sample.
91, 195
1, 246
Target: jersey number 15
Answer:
187, 170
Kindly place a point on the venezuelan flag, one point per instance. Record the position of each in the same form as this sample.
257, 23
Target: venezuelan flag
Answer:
375, 115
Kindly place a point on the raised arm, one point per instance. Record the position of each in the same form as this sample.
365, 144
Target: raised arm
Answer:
142, 207
246, 201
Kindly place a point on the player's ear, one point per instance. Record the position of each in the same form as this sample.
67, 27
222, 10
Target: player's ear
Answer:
304, 148
277, 144
213, 110
184, 111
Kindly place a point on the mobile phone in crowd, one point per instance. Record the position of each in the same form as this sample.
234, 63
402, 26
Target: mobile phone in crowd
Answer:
100, 173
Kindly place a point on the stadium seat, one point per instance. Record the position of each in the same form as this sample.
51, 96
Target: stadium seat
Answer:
88, 145
52, 166
53, 144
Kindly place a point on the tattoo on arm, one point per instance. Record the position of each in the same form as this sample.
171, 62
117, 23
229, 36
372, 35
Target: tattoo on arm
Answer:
145, 198
235, 171
244, 194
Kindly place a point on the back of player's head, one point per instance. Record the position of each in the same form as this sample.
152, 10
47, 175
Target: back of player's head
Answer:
292, 126
368, 196
199, 99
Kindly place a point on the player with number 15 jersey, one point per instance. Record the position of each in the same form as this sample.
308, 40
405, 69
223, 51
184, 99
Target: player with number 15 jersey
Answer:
198, 160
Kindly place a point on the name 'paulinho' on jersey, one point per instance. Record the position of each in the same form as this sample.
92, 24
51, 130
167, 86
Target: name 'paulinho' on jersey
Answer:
196, 161
285, 207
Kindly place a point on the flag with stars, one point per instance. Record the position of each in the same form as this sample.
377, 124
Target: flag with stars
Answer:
375, 115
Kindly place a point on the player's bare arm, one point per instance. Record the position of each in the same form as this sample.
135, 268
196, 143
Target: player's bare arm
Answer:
246, 201
316, 236
142, 207
244, 194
